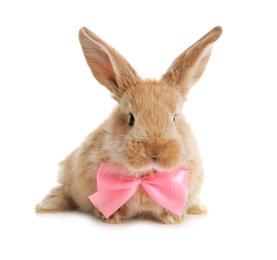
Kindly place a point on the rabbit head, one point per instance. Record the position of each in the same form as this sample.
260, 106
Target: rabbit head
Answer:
147, 131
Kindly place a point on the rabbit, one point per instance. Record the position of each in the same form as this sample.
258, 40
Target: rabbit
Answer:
146, 132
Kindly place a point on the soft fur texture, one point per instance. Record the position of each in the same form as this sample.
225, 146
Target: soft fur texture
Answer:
159, 139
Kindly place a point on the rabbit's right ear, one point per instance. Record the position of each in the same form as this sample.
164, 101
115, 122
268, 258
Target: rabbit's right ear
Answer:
108, 66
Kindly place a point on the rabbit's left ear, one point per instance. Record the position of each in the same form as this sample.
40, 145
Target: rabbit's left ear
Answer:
189, 66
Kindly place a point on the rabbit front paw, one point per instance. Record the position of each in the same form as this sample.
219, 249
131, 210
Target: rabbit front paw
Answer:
169, 218
116, 218
199, 209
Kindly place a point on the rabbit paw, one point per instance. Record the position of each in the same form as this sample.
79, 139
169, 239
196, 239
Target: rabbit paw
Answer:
199, 209
116, 218
170, 218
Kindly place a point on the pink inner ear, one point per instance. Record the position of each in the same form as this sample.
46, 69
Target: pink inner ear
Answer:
196, 71
106, 67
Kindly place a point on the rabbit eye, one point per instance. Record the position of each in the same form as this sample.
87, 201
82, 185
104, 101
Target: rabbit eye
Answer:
131, 119
174, 118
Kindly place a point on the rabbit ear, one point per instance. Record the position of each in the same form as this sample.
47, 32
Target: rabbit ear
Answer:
108, 66
189, 66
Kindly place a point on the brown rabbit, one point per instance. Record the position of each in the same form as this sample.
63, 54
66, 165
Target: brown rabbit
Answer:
146, 132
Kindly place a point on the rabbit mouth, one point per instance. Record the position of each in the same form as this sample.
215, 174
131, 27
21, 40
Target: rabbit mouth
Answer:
150, 166
149, 171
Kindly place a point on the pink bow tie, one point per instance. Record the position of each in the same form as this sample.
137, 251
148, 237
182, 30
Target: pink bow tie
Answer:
169, 189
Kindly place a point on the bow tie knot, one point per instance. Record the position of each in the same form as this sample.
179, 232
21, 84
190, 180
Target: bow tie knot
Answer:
169, 189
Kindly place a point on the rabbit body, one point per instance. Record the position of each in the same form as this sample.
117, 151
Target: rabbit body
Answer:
145, 133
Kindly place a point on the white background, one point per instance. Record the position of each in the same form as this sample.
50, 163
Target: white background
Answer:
49, 102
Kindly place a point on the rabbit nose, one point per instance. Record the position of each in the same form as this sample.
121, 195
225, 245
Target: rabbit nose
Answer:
153, 157
152, 152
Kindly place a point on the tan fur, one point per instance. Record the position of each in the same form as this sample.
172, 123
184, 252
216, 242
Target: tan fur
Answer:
154, 143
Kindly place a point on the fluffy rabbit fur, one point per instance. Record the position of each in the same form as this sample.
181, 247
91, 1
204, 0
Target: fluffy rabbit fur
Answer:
146, 132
